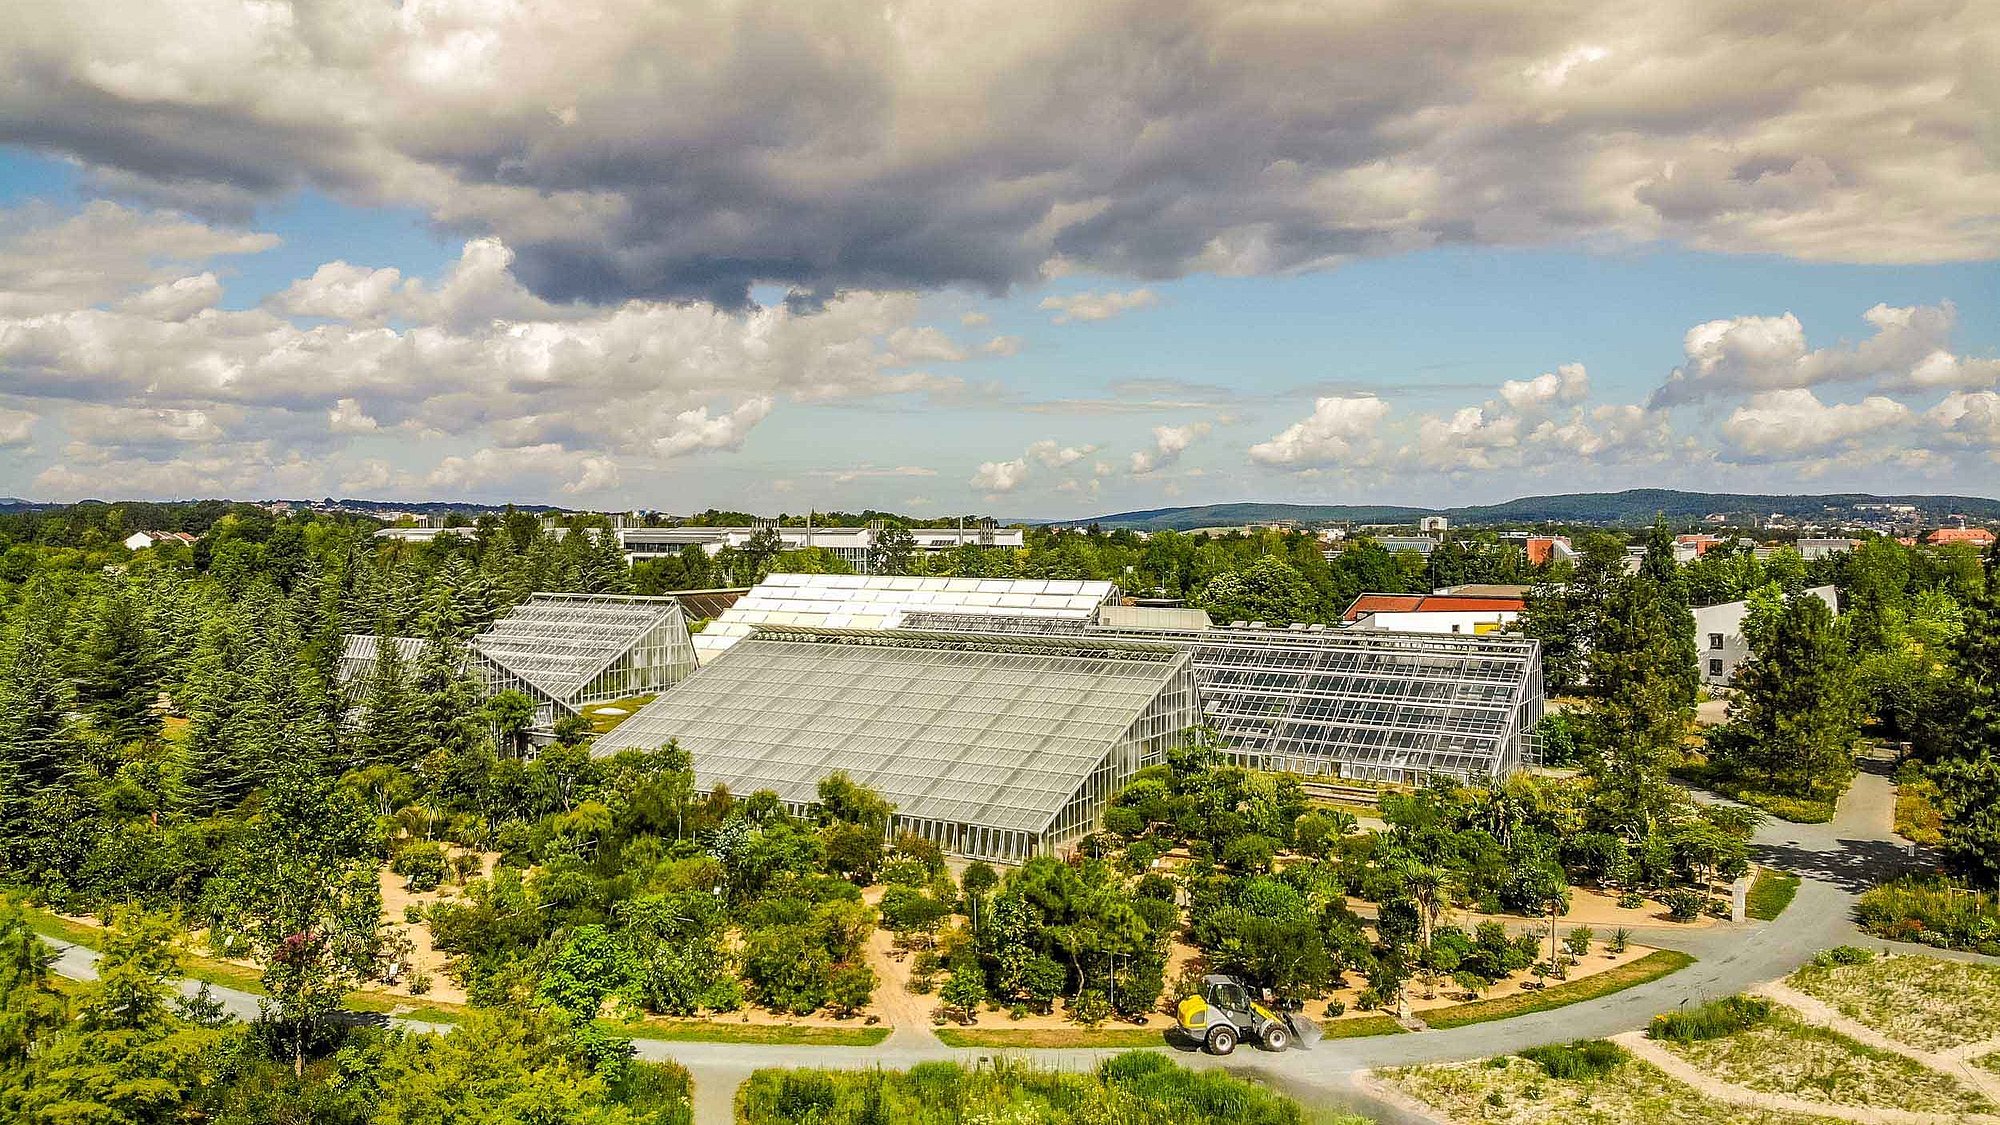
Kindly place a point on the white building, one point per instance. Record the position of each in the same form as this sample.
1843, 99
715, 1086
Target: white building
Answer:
140, 540
1718, 636
1433, 613
1433, 523
850, 545
1826, 548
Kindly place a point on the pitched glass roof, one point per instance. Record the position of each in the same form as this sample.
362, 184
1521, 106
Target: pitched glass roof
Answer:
997, 731
866, 601
359, 651
1380, 703
557, 642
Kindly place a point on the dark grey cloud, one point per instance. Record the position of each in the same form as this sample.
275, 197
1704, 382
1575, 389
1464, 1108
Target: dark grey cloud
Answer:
636, 149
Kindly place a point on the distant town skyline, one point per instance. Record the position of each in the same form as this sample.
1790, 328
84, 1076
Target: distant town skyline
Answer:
1043, 261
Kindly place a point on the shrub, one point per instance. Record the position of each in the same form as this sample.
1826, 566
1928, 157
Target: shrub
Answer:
1684, 904
1936, 911
1585, 1058
1577, 941
420, 983
1712, 1020
1090, 1008
1336, 1009
1841, 955
1620, 939
1631, 900
422, 863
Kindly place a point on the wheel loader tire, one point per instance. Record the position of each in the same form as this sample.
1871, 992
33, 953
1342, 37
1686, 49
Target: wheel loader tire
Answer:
1221, 1041
1277, 1039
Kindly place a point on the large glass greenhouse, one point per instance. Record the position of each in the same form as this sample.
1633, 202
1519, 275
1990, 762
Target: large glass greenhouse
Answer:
1366, 704
359, 653
567, 650
995, 747
879, 601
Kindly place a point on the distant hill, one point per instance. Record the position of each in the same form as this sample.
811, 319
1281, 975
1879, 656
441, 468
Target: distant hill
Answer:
1635, 506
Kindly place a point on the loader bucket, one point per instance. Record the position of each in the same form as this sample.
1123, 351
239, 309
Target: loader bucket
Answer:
1305, 1032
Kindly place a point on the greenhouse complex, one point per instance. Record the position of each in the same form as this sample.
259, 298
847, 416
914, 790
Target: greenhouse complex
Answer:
998, 715
994, 747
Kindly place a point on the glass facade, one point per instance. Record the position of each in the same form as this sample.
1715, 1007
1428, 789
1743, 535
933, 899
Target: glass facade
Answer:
995, 747
1366, 704
359, 652
567, 650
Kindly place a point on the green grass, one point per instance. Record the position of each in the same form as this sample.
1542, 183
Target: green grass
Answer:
1779, 1054
1039, 1037
1770, 894
404, 1007
601, 723
1651, 967
62, 929
1920, 1001
1362, 1026
1816, 809
1517, 1091
704, 1031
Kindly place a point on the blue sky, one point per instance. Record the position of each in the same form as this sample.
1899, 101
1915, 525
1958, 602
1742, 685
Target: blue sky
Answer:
1212, 292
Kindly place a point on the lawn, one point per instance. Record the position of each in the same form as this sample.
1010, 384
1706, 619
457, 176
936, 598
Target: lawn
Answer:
1922, 1001
705, 1031
601, 723
1651, 967
1770, 893
1514, 1091
1782, 1055
1815, 809
1917, 817
1039, 1037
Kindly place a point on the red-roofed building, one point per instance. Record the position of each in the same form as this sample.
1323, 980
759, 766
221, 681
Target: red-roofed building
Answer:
1432, 613
1976, 537
1545, 549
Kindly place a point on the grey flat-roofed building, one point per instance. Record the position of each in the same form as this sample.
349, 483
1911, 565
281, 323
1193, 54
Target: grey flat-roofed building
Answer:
994, 746
567, 650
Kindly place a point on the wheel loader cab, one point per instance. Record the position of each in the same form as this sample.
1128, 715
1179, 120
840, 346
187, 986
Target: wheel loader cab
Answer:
1229, 996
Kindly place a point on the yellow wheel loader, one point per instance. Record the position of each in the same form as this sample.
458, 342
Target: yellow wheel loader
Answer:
1225, 1014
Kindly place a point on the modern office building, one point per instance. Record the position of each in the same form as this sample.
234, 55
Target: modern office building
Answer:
567, 650
857, 601
995, 746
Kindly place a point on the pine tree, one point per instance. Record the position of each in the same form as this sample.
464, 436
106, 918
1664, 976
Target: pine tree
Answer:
217, 777
1798, 709
1968, 768
1639, 712
388, 730
38, 749
118, 671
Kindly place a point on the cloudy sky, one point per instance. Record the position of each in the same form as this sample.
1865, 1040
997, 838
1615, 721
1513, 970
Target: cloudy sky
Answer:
1028, 258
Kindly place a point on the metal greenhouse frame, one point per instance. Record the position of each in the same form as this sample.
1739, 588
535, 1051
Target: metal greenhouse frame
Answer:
1366, 704
568, 650
995, 747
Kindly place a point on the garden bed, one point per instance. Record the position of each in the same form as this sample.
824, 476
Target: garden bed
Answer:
1651, 967
1783, 1055
1514, 1091
1924, 1002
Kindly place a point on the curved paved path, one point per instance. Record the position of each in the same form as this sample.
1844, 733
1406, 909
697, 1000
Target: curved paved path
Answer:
1837, 860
